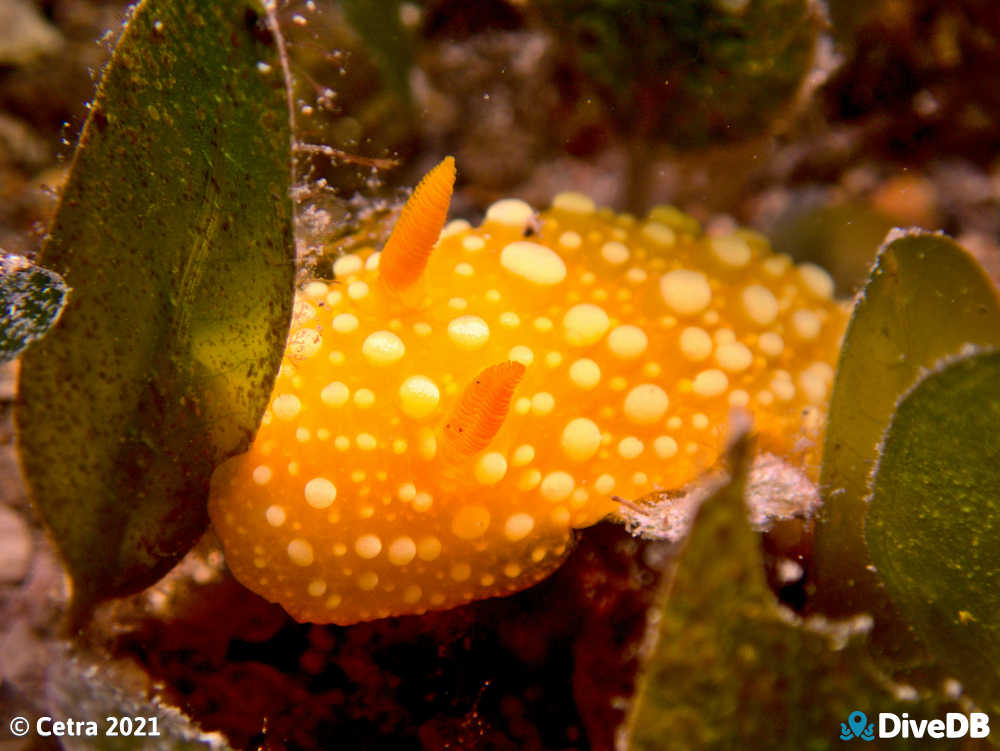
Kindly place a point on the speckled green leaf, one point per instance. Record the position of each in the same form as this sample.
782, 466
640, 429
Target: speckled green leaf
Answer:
933, 527
729, 669
174, 232
925, 299
31, 299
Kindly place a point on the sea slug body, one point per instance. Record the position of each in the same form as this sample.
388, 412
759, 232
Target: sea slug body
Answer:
450, 409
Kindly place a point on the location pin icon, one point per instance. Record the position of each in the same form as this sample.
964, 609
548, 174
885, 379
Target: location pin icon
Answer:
857, 721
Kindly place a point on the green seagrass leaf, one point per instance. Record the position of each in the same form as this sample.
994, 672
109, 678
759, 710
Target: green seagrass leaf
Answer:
925, 298
729, 668
174, 232
933, 526
31, 300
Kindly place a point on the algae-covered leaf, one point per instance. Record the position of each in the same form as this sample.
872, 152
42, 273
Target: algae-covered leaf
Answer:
933, 527
924, 299
31, 299
174, 233
729, 668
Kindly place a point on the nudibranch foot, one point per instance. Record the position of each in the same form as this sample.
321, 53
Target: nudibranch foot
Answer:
595, 359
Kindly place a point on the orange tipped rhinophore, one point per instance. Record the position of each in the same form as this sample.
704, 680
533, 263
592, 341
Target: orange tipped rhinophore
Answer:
482, 409
405, 255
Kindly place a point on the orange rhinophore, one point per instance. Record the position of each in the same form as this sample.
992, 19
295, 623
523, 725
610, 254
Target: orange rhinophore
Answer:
435, 442
405, 254
482, 409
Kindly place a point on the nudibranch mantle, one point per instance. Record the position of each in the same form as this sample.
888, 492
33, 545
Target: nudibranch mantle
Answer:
591, 355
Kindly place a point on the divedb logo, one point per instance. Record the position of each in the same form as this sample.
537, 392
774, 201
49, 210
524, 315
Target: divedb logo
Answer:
890, 725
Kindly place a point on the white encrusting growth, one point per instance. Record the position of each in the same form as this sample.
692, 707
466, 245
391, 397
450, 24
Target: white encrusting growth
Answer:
533, 262
418, 397
428, 548
760, 304
472, 243
630, 447
286, 406
368, 546
659, 233
580, 439
646, 404
815, 381
364, 398
542, 403
806, 324
304, 343
383, 348
782, 386
557, 486
585, 373
490, 468
695, 343
315, 290
275, 515
468, 332
771, 344
320, 492
302, 313
685, 292
733, 356
518, 526
578, 203
335, 394
300, 552
344, 323
570, 240
710, 382
731, 250
510, 211
402, 551
317, 588
817, 280
614, 252
523, 454
455, 227
738, 398
665, 446
585, 324
347, 265
470, 521
635, 275
521, 354
627, 342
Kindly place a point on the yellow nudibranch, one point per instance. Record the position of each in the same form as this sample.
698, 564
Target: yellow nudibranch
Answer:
450, 409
